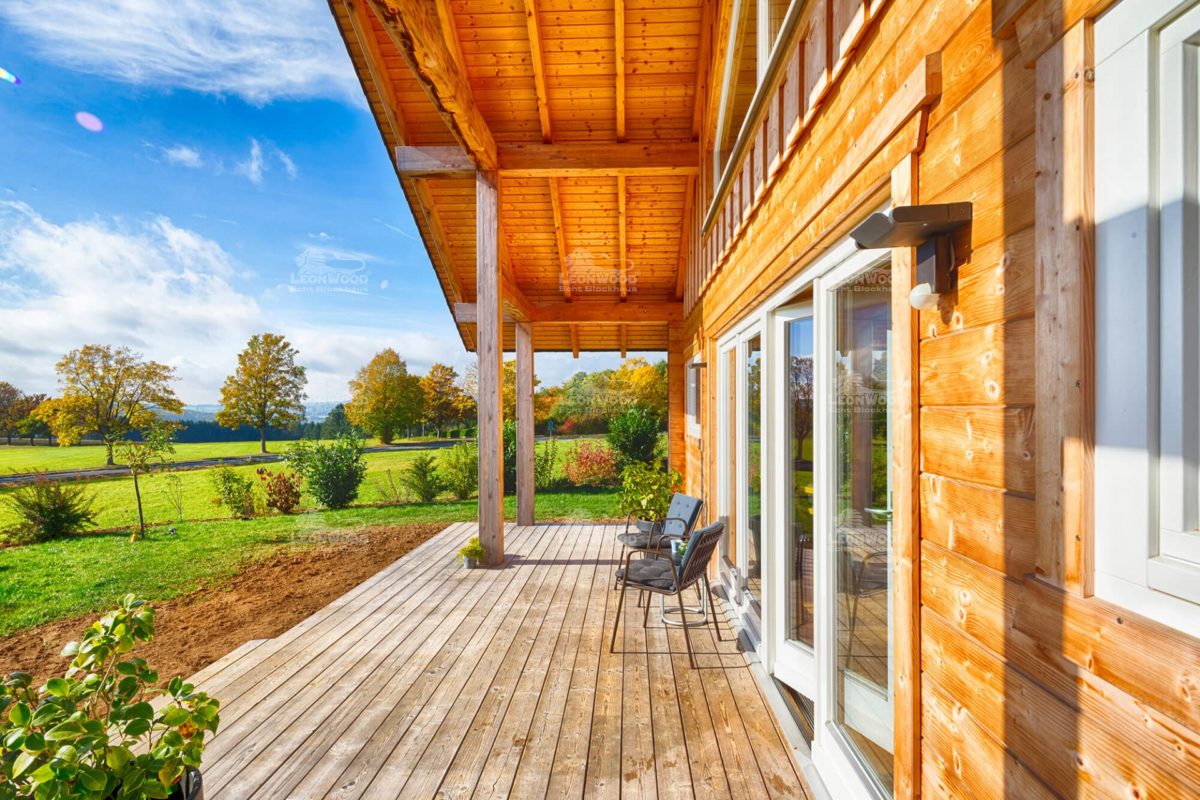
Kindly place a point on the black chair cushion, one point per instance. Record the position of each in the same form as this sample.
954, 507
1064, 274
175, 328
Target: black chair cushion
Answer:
653, 573
640, 540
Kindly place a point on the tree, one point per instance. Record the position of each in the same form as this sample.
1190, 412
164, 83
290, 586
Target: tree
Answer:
441, 396
108, 391
29, 425
10, 416
638, 383
141, 457
384, 397
336, 423
465, 404
266, 390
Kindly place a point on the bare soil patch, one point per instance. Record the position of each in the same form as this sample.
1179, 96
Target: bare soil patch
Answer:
262, 601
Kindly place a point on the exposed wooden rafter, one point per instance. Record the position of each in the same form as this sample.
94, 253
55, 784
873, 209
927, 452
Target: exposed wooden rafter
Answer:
685, 236
560, 239
619, 24
575, 341
702, 67
576, 159
621, 334
599, 313
416, 29
621, 235
539, 71
360, 15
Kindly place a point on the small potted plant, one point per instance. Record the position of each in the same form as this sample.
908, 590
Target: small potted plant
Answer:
94, 734
473, 553
646, 492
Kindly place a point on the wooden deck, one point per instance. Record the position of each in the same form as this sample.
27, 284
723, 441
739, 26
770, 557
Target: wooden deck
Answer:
431, 681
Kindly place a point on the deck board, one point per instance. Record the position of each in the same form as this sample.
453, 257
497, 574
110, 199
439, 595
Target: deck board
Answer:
428, 681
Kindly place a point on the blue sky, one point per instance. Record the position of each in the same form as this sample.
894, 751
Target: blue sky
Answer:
237, 158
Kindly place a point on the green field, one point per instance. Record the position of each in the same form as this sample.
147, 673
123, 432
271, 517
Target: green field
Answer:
45, 582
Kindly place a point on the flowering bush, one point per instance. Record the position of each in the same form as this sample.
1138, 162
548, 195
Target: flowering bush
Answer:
592, 464
282, 488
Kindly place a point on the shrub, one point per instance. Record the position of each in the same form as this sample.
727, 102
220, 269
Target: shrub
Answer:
282, 488
592, 464
545, 465
473, 549
634, 435
389, 489
460, 468
510, 456
333, 470
49, 510
646, 491
422, 479
95, 733
234, 491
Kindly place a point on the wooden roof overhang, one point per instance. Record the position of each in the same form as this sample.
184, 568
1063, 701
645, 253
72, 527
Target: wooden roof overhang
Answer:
589, 110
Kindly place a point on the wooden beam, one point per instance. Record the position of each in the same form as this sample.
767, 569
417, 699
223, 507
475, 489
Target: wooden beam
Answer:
517, 307
490, 348
906, 506
447, 161
702, 68
524, 390
686, 227
584, 313
360, 16
417, 32
560, 240
621, 333
574, 341
1064, 340
533, 25
585, 159
621, 234
619, 25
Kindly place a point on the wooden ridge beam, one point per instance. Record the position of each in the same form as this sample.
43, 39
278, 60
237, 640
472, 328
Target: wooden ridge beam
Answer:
419, 34
619, 25
560, 239
622, 224
586, 313
539, 69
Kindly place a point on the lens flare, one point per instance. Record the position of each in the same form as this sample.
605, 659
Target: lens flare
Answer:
89, 121
5, 75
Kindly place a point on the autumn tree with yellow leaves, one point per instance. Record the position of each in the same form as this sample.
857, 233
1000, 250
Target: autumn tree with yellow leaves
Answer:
384, 397
266, 390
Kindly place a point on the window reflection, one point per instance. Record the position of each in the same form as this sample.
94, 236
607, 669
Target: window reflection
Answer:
799, 476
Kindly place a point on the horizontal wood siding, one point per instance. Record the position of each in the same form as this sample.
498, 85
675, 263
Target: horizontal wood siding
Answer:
1028, 690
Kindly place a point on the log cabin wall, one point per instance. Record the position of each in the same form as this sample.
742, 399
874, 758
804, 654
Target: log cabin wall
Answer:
1029, 686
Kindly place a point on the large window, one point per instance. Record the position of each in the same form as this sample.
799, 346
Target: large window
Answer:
1147, 292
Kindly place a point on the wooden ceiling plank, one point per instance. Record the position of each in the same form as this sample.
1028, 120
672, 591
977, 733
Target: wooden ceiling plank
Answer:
417, 30
539, 71
560, 239
619, 65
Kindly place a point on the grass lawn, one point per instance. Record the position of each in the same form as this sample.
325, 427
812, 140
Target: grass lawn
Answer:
45, 582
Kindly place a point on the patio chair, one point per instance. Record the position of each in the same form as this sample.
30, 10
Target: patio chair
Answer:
863, 575
682, 515
658, 573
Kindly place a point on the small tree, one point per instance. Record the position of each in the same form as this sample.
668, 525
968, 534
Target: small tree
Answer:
173, 489
422, 479
634, 435
266, 390
234, 491
440, 389
10, 398
49, 509
30, 426
460, 467
336, 423
142, 457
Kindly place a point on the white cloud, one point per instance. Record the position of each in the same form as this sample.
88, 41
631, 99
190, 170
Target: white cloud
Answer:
166, 291
184, 156
259, 51
253, 166
289, 166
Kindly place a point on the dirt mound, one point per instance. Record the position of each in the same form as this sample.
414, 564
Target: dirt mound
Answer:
262, 601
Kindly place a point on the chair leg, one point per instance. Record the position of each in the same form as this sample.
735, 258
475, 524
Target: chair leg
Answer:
853, 624
616, 622
646, 613
616, 580
712, 608
687, 637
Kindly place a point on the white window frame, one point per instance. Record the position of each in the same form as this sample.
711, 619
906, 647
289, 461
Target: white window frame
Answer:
1147, 487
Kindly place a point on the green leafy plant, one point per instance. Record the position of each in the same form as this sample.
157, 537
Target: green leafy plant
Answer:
473, 549
510, 456
646, 491
333, 470
634, 435
94, 734
49, 509
390, 489
234, 491
282, 489
545, 465
422, 479
143, 456
460, 469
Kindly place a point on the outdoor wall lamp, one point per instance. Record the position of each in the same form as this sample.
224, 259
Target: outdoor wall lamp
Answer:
928, 228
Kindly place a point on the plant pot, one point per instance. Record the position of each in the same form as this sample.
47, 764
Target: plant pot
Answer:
191, 787
469, 563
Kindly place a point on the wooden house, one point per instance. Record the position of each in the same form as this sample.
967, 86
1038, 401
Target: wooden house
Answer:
961, 466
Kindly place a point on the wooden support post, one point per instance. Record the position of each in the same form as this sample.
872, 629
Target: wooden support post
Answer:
1065, 278
676, 386
906, 506
490, 348
525, 487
